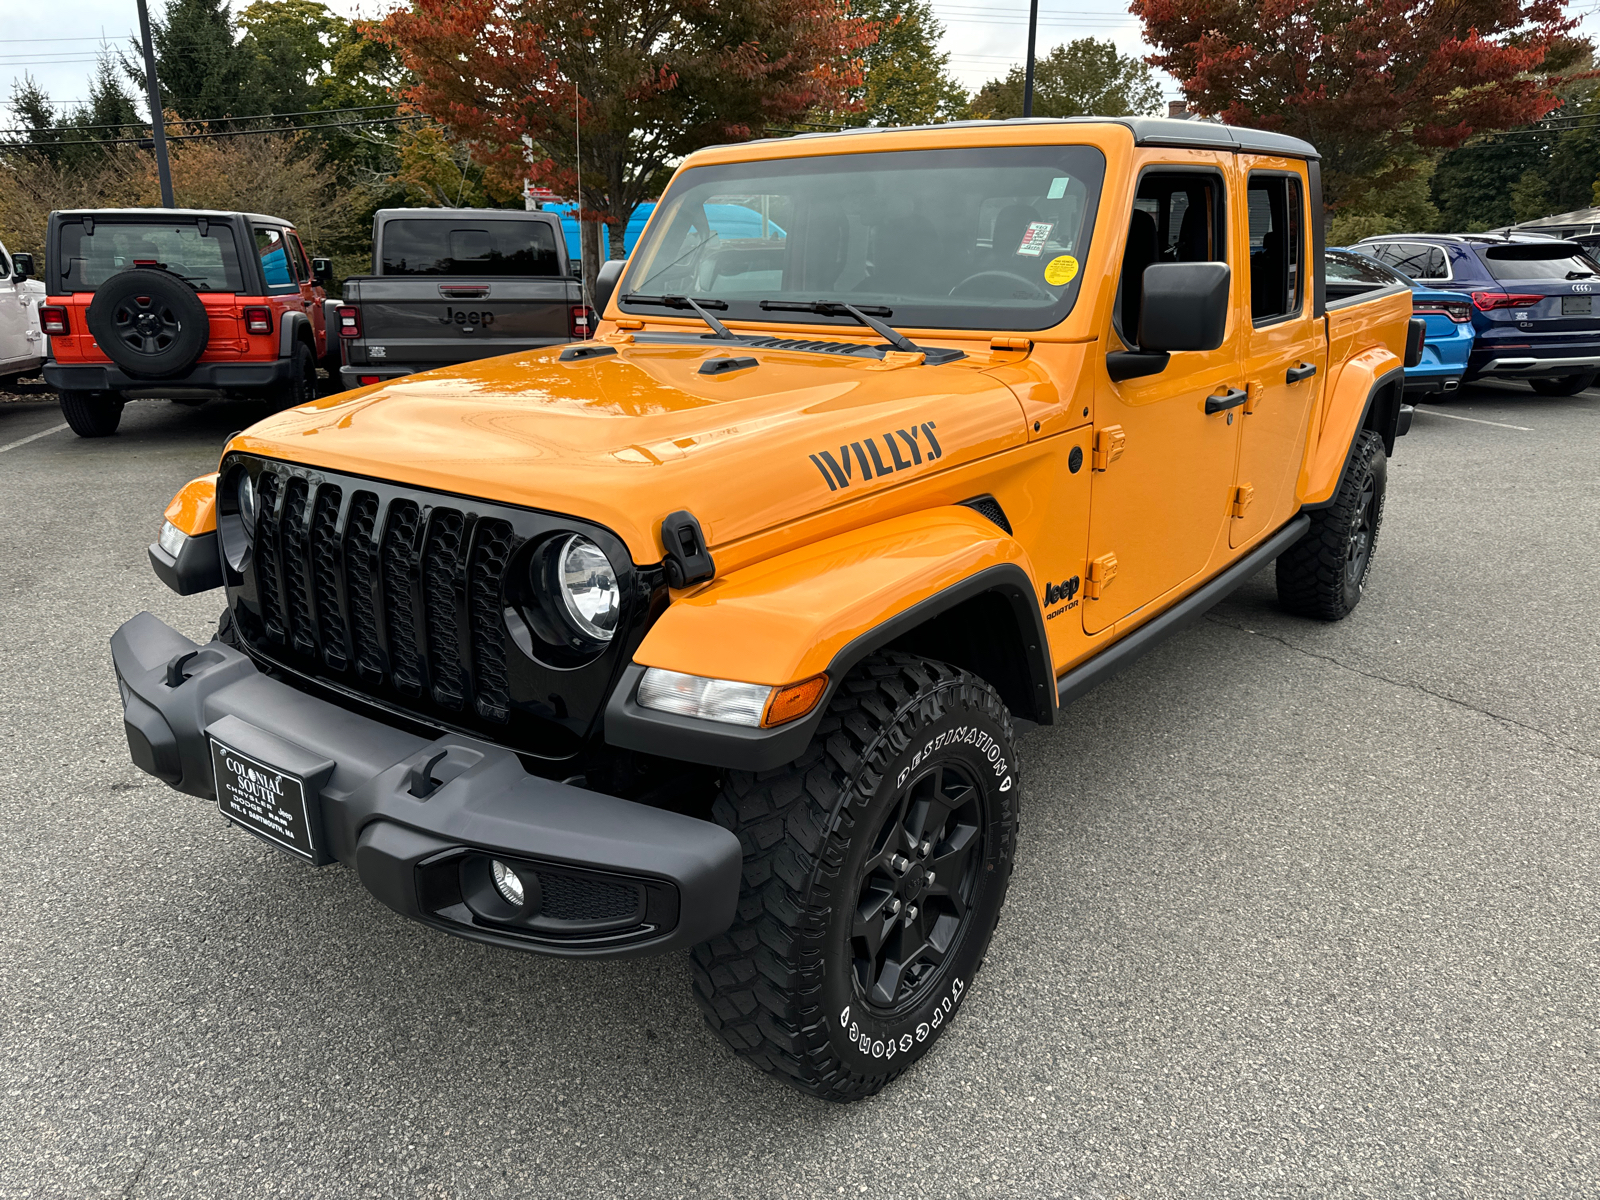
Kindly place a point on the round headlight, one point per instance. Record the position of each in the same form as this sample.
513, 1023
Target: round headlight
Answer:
588, 585
247, 503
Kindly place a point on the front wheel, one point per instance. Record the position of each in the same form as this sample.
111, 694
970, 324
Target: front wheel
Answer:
1562, 385
92, 414
1324, 574
874, 871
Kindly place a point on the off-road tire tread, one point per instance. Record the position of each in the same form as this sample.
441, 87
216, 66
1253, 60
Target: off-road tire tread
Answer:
1311, 572
759, 984
91, 414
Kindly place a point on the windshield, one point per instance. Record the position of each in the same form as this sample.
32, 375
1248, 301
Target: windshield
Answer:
209, 261
453, 246
1535, 260
984, 238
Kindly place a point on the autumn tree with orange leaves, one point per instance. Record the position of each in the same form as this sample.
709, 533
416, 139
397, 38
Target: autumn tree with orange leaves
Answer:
1368, 82
649, 82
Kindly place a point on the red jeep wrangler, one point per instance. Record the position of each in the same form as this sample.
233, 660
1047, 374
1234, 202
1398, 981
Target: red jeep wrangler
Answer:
178, 304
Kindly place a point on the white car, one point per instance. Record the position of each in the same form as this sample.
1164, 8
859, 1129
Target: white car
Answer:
23, 345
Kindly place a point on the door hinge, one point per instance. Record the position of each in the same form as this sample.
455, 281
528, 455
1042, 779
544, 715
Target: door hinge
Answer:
1108, 446
1101, 572
1241, 499
1252, 397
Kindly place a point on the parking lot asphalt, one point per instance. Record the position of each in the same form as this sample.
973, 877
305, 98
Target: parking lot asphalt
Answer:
1299, 909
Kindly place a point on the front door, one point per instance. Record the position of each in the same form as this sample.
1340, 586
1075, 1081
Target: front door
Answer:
1164, 467
1284, 348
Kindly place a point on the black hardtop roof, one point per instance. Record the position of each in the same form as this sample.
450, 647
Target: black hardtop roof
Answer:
473, 213
1147, 131
214, 213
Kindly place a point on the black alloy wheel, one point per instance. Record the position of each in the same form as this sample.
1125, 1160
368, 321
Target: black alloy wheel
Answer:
1362, 536
146, 325
915, 892
149, 322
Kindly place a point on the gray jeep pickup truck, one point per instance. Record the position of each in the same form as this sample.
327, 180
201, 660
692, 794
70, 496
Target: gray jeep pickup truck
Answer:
450, 285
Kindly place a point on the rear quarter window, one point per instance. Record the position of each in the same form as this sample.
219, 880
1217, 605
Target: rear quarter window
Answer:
424, 246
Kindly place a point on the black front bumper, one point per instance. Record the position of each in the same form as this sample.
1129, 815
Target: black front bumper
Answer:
420, 855
217, 377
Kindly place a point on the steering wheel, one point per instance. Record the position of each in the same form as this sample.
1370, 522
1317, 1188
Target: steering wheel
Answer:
1038, 293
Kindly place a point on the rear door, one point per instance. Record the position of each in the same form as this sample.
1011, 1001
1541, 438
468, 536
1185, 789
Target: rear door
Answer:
1285, 349
310, 293
459, 287
1164, 467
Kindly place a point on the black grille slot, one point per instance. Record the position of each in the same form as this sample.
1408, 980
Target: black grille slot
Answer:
853, 348
571, 898
399, 547
441, 559
490, 551
361, 574
325, 576
266, 553
296, 593
988, 506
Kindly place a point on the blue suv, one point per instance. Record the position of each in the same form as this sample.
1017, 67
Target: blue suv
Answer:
1532, 299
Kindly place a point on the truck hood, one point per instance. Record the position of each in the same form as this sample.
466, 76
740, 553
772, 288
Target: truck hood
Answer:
625, 438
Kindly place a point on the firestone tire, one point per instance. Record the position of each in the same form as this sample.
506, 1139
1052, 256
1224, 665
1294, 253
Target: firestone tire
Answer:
1563, 385
1324, 574
92, 414
847, 959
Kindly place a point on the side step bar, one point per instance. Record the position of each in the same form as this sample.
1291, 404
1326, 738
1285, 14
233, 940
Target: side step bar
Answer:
1123, 654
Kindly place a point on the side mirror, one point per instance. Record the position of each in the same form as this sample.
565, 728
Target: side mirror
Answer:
322, 270
606, 282
21, 267
1185, 306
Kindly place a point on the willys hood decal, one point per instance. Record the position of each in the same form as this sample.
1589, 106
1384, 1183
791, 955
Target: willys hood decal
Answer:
626, 438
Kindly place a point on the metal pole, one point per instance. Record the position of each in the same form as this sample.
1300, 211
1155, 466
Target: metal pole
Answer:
158, 117
1027, 86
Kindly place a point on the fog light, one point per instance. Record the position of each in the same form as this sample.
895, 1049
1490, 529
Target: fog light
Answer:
507, 883
171, 539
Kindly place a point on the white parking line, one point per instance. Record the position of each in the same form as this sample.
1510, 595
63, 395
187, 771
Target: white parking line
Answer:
1475, 420
32, 437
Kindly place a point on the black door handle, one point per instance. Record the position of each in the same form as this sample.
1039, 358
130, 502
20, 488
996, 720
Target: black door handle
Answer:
1303, 371
1231, 398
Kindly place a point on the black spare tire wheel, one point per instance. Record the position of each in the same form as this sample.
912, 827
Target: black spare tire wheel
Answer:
149, 322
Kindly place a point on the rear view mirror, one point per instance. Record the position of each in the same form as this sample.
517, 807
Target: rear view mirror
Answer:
1185, 306
606, 282
21, 267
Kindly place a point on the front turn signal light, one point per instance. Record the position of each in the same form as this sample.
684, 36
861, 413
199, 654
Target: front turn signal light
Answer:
754, 705
794, 700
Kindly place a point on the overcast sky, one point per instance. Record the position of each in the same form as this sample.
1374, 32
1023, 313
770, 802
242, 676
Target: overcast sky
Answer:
56, 42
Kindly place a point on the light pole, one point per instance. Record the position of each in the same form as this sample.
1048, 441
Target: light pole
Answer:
158, 118
1027, 85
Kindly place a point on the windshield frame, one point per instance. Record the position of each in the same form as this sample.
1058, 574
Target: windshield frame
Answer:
1084, 161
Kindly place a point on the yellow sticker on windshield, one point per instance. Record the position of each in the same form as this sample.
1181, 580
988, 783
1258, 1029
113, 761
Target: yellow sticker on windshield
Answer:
1061, 270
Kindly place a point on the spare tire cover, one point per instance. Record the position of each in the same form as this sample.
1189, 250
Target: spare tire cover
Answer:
149, 322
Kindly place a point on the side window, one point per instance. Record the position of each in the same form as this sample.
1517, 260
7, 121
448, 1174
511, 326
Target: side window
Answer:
297, 255
1177, 217
273, 252
1277, 247
1417, 261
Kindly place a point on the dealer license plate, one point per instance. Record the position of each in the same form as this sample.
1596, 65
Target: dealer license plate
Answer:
1577, 306
269, 802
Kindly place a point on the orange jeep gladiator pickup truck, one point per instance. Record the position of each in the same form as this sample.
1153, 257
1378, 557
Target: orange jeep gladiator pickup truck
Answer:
716, 633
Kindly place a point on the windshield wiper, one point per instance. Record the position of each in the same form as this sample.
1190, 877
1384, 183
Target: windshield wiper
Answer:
864, 315
1580, 274
699, 306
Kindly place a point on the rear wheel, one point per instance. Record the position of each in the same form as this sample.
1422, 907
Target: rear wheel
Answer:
874, 871
1563, 385
1324, 574
92, 414
301, 386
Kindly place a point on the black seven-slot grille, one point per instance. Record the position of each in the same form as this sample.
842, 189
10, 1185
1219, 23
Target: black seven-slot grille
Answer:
411, 599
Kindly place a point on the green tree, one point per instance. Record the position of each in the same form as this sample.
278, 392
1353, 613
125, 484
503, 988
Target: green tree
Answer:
203, 72
1085, 77
287, 51
1472, 186
1530, 197
905, 77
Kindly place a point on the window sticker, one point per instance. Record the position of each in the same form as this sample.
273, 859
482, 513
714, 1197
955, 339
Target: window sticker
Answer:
1061, 270
1058, 187
1034, 238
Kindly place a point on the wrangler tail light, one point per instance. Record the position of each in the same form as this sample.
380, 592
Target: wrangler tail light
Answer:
1458, 311
582, 321
349, 320
258, 319
53, 319
1486, 301
368, 380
